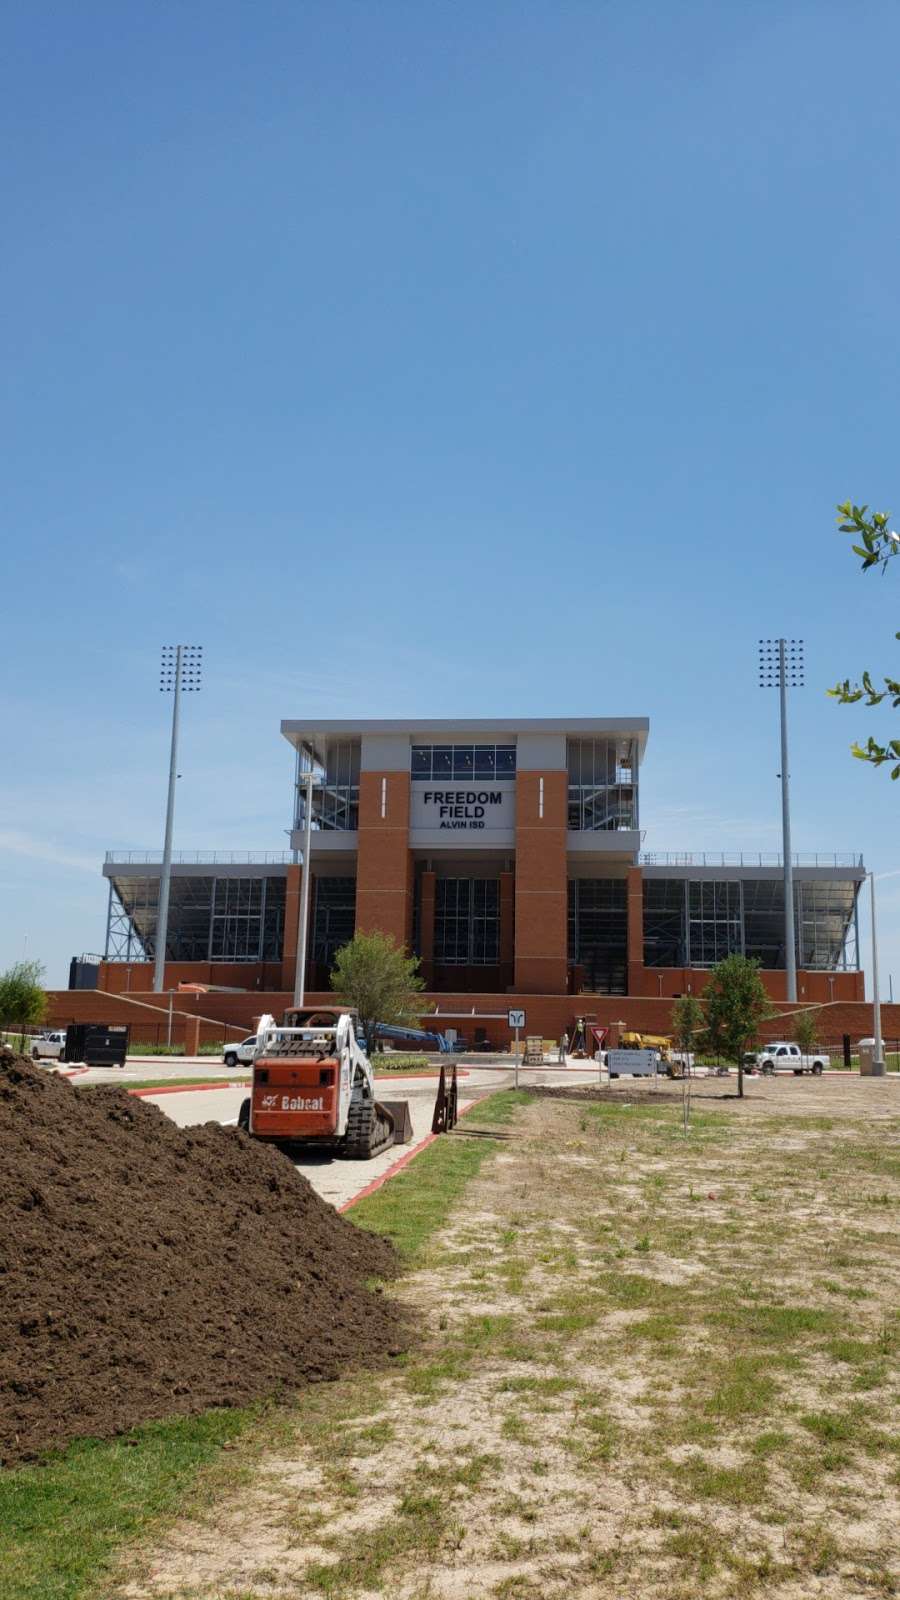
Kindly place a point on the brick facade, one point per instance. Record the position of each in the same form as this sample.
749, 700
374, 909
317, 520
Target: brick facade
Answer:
541, 906
547, 1015
397, 888
384, 863
533, 918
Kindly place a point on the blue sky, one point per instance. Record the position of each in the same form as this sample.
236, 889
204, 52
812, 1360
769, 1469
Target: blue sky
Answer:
471, 359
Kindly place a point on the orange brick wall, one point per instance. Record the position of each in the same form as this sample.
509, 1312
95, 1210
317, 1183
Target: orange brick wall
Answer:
291, 926
817, 988
533, 918
541, 940
384, 871
121, 977
546, 1014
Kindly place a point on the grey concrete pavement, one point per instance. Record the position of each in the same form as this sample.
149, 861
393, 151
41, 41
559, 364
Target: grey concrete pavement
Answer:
335, 1180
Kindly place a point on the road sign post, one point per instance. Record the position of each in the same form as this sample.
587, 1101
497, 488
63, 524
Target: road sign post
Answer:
516, 1020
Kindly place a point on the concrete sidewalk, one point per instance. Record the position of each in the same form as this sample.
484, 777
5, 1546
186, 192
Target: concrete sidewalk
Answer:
337, 1181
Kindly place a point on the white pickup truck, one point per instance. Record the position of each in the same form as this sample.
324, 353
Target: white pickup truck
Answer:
48, 1047
782, 1056
239, 1055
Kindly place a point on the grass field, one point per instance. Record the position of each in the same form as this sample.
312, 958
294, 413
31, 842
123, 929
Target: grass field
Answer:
653, 1367
180, 1083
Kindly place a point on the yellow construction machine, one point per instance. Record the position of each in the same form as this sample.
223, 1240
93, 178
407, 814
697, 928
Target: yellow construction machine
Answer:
659, 1042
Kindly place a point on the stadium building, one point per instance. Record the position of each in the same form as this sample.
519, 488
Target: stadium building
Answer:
508, 856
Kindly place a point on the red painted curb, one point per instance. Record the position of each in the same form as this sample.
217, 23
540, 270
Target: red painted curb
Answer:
402, 1077
398, 1165
188, 1088
391, 1171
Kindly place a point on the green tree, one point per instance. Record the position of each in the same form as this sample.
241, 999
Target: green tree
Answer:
688, 1022
383, 984
878, 545
806, 1030
22, 998
735, 1002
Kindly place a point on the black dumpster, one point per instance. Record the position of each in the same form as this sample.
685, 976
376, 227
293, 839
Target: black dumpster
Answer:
99, 1044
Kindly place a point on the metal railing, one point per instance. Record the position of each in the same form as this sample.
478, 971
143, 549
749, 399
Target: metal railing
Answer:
606, 808
748, 858
652, 858
202, 858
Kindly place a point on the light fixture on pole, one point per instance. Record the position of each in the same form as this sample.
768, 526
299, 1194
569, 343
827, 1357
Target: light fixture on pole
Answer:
180, 673
781, 667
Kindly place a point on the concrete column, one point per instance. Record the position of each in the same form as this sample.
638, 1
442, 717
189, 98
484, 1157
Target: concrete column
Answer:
541, 941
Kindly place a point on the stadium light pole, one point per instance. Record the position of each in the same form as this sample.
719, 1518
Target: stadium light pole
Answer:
878, 1068
781, 667
180, 672
300, 972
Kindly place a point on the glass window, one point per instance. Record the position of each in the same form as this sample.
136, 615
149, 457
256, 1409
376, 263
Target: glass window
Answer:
236, 926
467, 922
825, 923
598, 933
602, 791
335, 789
714, 928
334, 917
664, 922
462, 763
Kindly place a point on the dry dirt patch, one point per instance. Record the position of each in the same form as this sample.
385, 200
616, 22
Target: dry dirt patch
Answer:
663, 1368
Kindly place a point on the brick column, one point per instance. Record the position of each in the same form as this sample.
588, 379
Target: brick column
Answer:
541, 941
427, 892
636, 975
291, 927
384, 868
191, 1036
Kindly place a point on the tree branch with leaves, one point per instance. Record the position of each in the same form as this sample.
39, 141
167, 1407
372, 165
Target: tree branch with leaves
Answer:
23, 1001
380, 981
878, 545
736, 1003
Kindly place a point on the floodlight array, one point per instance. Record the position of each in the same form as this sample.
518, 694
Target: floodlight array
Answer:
774, 652
191, 667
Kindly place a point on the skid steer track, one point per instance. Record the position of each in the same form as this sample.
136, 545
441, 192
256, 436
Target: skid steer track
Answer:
370, 1129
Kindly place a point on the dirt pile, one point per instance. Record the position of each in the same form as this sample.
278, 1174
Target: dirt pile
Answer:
148, 1270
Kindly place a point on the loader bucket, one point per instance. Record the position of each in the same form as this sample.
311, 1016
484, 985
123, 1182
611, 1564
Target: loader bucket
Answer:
398, 1111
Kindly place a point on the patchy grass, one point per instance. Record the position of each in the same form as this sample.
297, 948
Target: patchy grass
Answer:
658, 1367
419, 1201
